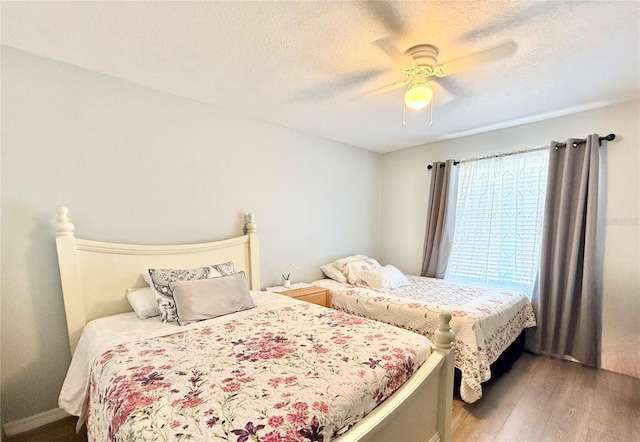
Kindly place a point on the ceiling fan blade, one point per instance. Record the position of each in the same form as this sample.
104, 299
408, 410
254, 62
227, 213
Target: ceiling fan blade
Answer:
386, 14
385, 89
441, 95
452, 85
513, 19
503, 50
401, 60
334, 88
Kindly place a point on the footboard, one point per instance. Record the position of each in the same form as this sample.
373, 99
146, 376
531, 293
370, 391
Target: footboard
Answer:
421, 409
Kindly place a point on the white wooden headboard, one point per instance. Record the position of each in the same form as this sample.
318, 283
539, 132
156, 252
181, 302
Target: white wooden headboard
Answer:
96, 275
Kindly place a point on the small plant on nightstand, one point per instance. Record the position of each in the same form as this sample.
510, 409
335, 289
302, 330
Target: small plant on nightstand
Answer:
286, 281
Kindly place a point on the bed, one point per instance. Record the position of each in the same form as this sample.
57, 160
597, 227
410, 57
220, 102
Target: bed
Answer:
487, 322
261, 373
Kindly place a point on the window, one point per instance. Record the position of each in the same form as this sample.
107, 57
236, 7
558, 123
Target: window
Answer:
499, 217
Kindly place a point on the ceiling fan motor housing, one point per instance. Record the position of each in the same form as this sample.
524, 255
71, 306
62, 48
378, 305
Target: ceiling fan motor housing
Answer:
425, 55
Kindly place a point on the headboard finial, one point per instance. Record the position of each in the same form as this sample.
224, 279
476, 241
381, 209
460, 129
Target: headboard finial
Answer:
64, 227
251, 225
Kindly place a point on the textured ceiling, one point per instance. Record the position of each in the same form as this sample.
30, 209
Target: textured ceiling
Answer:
308, 65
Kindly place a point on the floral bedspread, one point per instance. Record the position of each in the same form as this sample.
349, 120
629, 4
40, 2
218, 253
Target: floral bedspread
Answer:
298, 373
485, 320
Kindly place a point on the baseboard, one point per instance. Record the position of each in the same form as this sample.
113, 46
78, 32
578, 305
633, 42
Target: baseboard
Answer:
32, 422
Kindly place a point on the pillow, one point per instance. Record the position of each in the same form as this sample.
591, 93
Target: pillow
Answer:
159, 280
355, 268
341, 264
226, 268
143, 302
209, 298
384, 278
331, 272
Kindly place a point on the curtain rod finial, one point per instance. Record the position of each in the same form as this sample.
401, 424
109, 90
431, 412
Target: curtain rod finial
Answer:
609, 137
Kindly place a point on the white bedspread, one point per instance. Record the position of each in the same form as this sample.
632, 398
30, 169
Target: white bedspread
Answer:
485, 320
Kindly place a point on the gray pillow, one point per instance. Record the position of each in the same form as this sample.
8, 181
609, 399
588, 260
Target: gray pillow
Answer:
159, 280
208, 298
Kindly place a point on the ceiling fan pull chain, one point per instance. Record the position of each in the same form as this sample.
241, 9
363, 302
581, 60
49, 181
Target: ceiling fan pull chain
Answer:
404, 112
431, 113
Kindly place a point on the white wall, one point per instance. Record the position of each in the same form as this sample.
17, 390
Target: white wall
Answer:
137, 165
405, 187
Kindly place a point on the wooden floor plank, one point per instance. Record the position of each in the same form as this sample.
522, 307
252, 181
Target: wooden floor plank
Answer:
459, 414
616, 409
488, 415
60, 431
470, 433
569, 419
529, 417
525, 423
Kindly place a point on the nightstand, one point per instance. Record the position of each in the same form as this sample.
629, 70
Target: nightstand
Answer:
313, 294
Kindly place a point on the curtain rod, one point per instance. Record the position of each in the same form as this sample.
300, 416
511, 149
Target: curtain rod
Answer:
609, 137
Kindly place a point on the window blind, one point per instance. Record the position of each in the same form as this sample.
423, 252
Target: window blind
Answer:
498, 221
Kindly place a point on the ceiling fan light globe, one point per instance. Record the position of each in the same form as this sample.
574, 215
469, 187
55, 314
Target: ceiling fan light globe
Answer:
418, 96
417, 105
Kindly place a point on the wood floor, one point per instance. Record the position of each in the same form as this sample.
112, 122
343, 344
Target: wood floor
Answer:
60, 431
540, 399
546, 399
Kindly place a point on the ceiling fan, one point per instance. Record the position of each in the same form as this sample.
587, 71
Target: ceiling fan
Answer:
424, 74
426, 79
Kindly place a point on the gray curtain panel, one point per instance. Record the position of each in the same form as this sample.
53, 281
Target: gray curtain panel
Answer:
438, 237
565, 300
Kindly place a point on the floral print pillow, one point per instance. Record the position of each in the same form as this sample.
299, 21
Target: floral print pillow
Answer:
355, 269
341, 264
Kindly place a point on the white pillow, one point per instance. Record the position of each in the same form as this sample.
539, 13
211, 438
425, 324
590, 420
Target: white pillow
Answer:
341, 264
384, 278
355, 269
209, 298
331, 272
143, 302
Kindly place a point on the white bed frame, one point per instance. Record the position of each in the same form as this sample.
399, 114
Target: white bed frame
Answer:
95, 276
